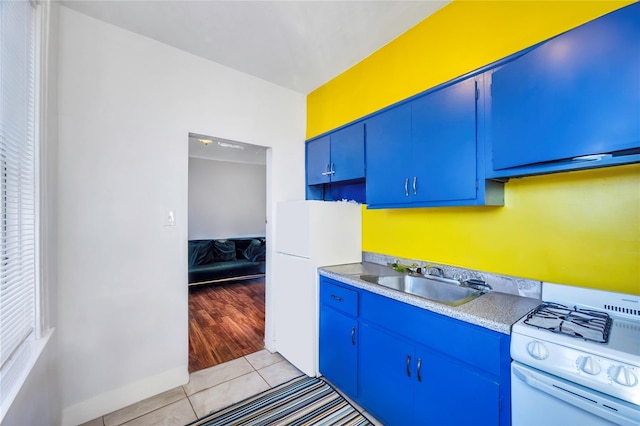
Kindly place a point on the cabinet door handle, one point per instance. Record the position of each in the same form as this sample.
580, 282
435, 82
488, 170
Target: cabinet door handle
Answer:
408, 365
419, 366
353, 336
406, 187
331, 171
415, 187
328, 172
338, 298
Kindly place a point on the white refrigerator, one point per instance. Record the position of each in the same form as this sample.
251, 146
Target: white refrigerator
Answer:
309, 234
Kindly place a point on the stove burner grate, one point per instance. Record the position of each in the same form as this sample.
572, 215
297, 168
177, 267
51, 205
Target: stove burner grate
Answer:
580, 323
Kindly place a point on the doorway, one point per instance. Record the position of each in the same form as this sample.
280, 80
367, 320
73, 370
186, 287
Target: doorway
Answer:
227, 204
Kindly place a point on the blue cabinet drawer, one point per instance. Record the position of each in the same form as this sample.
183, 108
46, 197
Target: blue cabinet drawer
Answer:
471, 344
338, 297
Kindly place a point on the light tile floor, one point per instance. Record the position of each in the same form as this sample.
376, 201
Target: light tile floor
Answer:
208, 390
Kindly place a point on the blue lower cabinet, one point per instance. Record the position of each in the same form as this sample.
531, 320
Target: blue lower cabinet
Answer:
339, 350
449, 393
386, 376
339, 337
411, 366
404, 383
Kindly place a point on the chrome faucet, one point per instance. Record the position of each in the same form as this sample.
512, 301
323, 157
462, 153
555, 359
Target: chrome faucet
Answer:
397, 266
426, 270
477, 284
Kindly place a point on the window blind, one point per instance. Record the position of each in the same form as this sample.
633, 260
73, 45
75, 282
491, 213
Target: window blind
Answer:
17, 189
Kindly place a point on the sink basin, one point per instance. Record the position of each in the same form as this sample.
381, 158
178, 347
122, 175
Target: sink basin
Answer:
438, 289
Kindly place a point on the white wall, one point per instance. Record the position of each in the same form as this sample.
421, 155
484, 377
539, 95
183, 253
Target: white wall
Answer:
126, 106
226, 199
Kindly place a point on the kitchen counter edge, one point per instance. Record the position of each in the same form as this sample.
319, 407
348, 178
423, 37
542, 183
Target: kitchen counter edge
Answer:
495, 311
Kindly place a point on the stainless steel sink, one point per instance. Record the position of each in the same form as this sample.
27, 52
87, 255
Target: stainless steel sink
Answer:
438, 289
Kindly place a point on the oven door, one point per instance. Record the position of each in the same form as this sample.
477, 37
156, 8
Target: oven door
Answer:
538, 398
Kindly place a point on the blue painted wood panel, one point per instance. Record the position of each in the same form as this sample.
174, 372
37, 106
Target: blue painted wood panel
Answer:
385, 388
425, 152
338, 297
480, 347
339, 349
447, 393
411, 364
575, 95
347, 153
388, 156
444, 143
318, 160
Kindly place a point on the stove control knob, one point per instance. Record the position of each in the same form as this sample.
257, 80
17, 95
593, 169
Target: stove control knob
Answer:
588, 365
537, 350
622, 375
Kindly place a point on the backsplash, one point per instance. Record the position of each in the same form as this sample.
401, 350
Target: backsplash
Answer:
500, 283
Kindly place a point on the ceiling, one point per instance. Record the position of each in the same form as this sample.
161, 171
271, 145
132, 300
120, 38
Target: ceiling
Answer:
299, 45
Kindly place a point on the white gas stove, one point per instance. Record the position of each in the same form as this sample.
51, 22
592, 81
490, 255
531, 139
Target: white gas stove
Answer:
579, 352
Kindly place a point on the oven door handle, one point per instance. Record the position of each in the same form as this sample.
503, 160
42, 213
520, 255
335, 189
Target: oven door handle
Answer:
576, 395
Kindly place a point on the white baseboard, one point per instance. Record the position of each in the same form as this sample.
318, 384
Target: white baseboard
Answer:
116, 399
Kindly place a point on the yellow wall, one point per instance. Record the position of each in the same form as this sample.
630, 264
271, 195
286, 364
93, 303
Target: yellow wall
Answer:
578, 228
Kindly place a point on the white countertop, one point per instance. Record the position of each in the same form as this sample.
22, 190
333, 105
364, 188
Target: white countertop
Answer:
495, 311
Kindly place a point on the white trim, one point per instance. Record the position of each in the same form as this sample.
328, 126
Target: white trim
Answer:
253, 163
116, 399
34, 349
43, 320
39, 114
269, 321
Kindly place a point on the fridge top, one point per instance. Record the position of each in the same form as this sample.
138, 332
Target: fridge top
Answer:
324, 231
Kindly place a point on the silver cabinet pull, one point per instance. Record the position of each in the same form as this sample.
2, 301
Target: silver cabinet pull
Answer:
419, 366
338, 298
415, 188
406, 187
353, 336
329, 171
408, 365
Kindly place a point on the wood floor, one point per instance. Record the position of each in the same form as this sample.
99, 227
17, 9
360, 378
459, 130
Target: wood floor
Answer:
226, 321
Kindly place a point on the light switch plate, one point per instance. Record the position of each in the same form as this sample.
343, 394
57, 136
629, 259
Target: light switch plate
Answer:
171, 218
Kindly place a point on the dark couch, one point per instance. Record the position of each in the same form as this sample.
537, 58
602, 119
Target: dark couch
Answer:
222, 260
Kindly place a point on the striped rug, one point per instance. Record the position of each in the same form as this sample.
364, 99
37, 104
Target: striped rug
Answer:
301, 401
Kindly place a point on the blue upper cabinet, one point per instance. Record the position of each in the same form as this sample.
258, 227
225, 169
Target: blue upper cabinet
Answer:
572, 102
444, 144
389, 156
336, 157
335, 165
347, 153
575, 95
319, 161
423, 153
